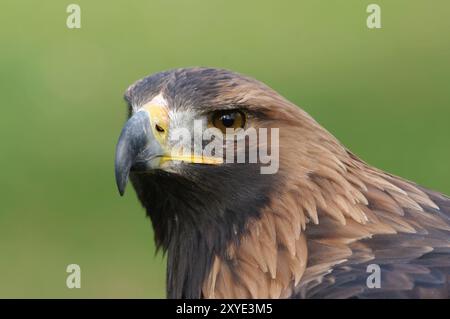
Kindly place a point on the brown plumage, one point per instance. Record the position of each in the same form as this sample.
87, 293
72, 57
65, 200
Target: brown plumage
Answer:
310, 231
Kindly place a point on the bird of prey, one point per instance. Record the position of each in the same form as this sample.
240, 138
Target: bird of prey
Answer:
312, 229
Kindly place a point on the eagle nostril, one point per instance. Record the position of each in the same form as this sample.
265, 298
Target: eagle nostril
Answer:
159, 128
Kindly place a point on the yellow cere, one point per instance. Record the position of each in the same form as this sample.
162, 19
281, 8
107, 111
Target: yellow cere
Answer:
159, 117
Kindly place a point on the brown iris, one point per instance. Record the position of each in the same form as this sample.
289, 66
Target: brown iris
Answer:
228, 119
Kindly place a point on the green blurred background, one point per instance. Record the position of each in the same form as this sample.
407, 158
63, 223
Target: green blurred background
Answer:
384, 93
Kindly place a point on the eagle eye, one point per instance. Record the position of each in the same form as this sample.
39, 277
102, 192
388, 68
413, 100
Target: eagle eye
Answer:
228, 119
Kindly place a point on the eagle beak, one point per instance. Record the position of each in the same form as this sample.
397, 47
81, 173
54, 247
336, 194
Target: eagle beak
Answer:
137, 149
142, 145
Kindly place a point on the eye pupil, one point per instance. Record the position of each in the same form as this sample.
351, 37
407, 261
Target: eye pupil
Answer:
227, 120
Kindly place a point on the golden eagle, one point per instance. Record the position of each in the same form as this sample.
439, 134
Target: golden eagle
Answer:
309, 230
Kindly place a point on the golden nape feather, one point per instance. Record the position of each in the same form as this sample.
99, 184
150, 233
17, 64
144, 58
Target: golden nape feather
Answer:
333, 216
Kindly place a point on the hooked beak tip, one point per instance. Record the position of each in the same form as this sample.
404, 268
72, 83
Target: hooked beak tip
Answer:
121, 180
121, 189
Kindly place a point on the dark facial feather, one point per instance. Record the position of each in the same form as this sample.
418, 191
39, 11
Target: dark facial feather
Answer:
197, 216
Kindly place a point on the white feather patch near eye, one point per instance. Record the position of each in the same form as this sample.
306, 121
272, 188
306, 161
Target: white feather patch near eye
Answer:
157, 100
